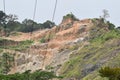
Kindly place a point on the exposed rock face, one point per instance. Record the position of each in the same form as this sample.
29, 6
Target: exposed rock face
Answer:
53, 47
56, 49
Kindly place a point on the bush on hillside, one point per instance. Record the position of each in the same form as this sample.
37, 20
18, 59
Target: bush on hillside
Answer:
111, 26
110, 73
71, 16
42, 40
27, 75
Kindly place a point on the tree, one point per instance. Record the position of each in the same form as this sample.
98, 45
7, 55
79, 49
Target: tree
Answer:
3, 17
70, 16
12, 17
48, 24
14, 26
105, 14
111, 26
9, 23
3, 21
118, 28
28, 25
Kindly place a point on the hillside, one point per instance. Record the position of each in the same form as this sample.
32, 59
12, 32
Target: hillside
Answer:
75, 49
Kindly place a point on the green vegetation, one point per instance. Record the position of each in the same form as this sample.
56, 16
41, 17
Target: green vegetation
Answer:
37, 75
108, 36
15, 33
6, 62
9, 44
103, 31
47, 38
42, 40
71, 16
111, 26
49, 67
110, 73
48, 24
103, 50
9, 23
90, 58
22, 45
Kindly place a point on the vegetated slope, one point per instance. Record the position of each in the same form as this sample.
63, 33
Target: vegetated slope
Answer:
75, 49
103, 50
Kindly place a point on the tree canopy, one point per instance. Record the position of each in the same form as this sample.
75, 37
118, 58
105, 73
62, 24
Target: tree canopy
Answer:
10, 23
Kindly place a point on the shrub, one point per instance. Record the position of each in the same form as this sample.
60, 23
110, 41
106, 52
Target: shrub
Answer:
105, 37
111, 26
111, 73
70, 16
42, 40
27, 75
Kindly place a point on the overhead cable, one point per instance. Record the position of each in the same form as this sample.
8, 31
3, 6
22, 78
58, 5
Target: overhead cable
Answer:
54, 10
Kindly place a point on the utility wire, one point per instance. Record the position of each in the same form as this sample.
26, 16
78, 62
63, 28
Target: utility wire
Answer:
4, 23
49, 34
54, 10
34, 14
30, 36
4, 43
4, 5
35, 8
43, 64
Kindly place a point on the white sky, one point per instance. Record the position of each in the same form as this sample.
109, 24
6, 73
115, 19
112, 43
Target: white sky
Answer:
80, 8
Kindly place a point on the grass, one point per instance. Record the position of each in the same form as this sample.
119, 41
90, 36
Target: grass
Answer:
103, 50
112, 34
42, 40
1, 50
22, 45
47, 38
19, 45
79, 61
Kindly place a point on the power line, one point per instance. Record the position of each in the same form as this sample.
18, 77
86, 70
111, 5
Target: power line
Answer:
54, 11
4, 42
35, 7
30, 36
43, 64
34, 14
4, 5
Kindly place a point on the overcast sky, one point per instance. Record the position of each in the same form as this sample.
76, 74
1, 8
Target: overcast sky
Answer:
80, 8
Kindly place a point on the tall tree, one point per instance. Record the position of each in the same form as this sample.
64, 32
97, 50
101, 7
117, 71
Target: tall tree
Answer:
48, 24
2, 17
12, 17
105, 14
